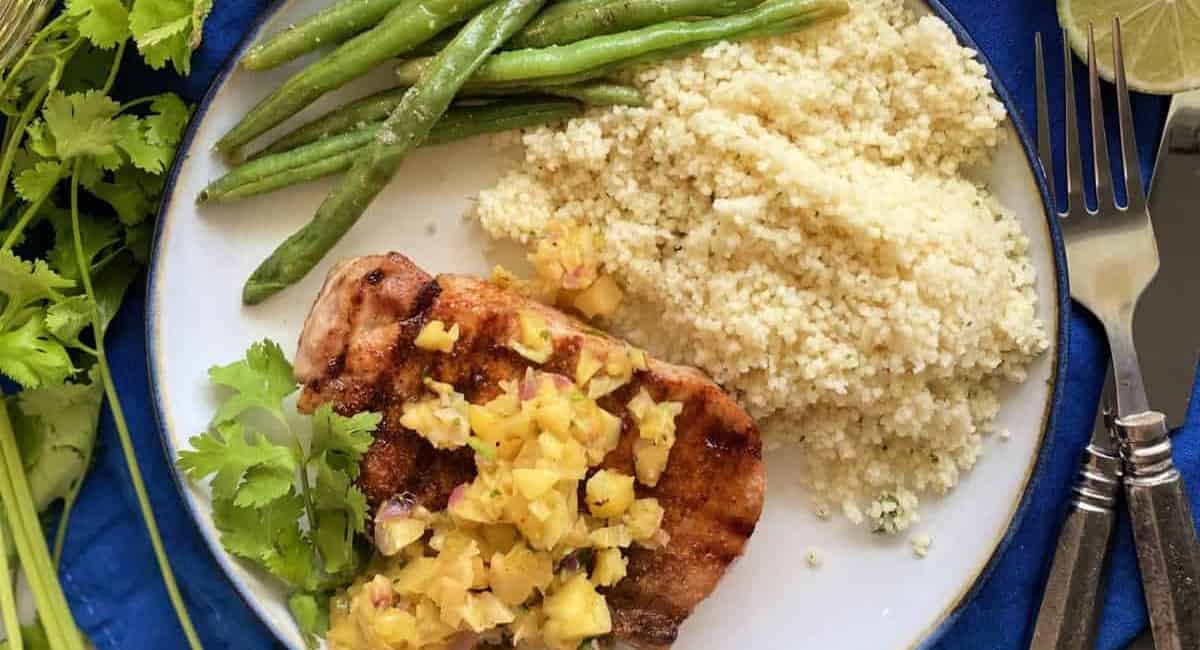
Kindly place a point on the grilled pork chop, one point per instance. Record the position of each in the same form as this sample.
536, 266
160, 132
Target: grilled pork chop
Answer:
357, 352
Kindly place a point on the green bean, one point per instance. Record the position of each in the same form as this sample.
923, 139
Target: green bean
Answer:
569, 25
312, 171
375, 108
407, 126
336, 153
409, 24
369, 109
597, 52
258, 169
658, 56
592, 93
575, 20
331, 26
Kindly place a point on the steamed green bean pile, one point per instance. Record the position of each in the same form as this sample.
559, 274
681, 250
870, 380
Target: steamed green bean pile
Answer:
474, 67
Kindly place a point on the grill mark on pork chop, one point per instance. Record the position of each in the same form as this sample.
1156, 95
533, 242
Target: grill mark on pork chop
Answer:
712, 488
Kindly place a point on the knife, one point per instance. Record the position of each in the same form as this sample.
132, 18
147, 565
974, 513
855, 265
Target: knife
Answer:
1170, 345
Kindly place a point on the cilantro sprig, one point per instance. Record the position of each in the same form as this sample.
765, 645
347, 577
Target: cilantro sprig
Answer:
285, 502
81, 173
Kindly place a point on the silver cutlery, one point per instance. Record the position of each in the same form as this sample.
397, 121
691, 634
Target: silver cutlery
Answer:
1112, 256
1071, 602
1170, 345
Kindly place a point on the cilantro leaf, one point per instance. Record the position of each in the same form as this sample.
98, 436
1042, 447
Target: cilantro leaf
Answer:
110, 285
23, 283
138, 240
103, 22
32, 358
341, 440
95, 233
56, 429
341, 511
170, 115
36, 183
132, 192
250, 532
311, 612
66, 319
38, 140
263, 485
269, 536
165, 30
293, 562
133, 139
79, 126
225, 455
262, 380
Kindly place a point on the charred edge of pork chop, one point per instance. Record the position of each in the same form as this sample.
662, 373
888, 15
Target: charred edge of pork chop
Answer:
357, 352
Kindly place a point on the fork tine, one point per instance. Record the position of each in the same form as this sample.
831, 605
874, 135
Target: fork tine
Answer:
1045, 152
1075, 199
1101, 165
1135, 194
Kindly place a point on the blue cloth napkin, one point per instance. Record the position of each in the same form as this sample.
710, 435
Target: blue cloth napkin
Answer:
113, 582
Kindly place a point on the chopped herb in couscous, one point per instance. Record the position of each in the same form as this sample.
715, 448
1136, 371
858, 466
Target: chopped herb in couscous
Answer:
793, 215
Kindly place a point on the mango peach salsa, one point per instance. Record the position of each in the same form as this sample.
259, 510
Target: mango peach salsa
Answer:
513, 557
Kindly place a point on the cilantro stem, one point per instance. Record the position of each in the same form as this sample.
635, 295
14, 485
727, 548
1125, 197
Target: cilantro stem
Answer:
116, 67
31, 543
27, 216
305, 487
114, 403
8, 601
137, 102
60, 535
11, 147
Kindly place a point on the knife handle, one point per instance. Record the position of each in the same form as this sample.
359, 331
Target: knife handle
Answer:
1071, 603
1163, 530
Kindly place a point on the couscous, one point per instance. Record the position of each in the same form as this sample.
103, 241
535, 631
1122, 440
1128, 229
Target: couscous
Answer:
794, 216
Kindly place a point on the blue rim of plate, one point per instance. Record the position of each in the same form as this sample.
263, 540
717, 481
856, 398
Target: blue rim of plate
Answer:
947, 617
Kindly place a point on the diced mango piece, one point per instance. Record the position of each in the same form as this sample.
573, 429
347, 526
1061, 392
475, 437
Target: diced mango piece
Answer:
533, 341
601, 299
554, 415
436, 338
609, 567
484, 611
392, 536
415, 576
617, 536
644, 519
515, 575
441, 420
609, 494
650, 461
533, 483
641, 404
576, 611
589, 364
395, 628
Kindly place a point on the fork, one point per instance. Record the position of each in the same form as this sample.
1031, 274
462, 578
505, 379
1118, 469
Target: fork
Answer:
1112, 256
19, 19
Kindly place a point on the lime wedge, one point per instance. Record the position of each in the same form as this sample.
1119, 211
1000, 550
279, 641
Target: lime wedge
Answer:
1161, 39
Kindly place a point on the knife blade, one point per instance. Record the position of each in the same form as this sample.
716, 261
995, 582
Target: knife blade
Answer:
1168, 344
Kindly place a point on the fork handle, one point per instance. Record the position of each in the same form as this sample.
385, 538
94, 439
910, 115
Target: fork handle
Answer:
1165, 535
1071, 603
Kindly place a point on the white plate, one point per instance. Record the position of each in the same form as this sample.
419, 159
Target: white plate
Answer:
870, 592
